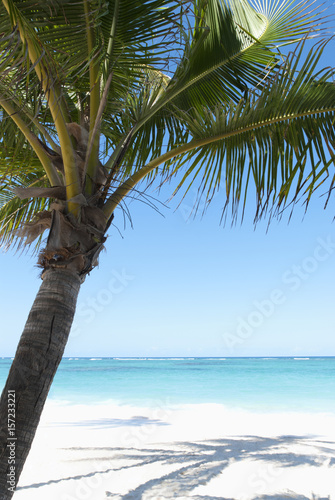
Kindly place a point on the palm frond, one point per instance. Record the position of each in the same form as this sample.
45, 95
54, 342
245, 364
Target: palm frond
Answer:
16, 213
274, 139
234, 48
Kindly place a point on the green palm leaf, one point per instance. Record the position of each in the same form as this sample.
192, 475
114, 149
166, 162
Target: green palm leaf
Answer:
275, 138
15, 213
234, 47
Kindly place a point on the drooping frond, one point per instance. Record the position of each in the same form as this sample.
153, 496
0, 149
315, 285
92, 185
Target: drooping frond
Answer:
274, 139
233, 48
15, 213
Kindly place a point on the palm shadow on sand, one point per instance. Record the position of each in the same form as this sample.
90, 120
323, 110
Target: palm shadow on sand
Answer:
193, 463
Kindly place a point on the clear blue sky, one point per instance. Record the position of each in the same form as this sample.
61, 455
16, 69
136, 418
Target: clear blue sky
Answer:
174, 286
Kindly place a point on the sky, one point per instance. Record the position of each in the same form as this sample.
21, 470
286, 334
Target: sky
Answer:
175, 286
172, 285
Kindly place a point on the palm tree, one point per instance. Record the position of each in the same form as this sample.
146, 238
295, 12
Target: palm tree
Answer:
102, 97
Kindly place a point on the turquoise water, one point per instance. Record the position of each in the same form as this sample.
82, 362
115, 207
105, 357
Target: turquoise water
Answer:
265, 384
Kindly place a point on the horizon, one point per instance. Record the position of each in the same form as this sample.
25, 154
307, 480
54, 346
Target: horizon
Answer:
98, 358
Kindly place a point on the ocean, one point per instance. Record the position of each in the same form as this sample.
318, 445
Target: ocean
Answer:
253, 384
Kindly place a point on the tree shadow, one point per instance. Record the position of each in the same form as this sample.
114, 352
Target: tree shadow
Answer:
205, 460
197, 463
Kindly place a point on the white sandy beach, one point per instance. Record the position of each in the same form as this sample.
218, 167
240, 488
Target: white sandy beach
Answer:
198, 452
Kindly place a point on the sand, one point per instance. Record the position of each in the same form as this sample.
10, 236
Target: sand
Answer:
198, 452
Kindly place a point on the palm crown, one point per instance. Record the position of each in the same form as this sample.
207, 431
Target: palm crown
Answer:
98, 95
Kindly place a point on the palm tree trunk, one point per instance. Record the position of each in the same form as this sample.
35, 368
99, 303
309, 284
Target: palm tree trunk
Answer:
36, 361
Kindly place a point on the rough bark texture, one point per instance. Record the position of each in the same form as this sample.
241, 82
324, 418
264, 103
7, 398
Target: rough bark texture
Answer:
36, 361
